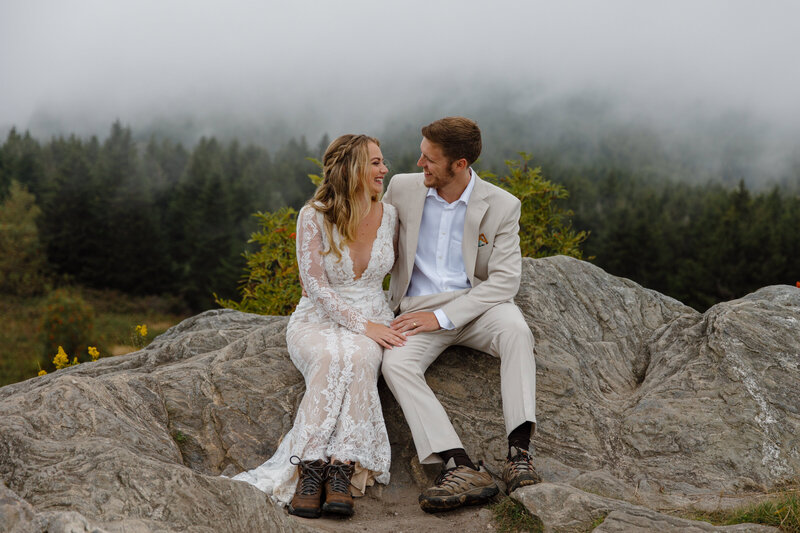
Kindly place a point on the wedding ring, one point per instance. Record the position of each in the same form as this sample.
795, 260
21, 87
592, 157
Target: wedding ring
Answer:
414, 324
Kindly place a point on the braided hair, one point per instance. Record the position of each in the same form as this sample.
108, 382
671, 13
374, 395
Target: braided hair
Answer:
345, 171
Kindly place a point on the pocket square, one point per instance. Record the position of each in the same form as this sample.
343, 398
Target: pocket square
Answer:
482, 241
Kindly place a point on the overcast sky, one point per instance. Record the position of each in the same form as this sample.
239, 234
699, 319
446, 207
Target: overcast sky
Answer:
357, 61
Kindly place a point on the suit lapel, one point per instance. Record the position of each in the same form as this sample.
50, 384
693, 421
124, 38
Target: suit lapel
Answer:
476, 208
416, 202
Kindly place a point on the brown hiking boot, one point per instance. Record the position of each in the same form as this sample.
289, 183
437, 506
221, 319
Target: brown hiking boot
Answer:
457, 486
519, 471
337, 488
308, 494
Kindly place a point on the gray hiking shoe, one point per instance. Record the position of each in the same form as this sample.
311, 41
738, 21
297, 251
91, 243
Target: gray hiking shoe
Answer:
458, 486
519, 471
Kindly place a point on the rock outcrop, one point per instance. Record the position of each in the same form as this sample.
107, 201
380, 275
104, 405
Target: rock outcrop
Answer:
644, 405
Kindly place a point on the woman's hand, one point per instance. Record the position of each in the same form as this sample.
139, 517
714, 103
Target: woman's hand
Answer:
385, 336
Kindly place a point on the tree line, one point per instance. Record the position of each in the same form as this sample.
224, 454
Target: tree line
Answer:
699, 243
155, 217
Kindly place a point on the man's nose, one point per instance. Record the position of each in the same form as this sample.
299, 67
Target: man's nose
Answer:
420, 162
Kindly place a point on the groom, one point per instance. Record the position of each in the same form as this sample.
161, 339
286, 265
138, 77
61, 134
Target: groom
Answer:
457, 272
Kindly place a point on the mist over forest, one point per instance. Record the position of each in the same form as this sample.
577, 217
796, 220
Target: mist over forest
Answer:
675, 128
697, 143
696, 91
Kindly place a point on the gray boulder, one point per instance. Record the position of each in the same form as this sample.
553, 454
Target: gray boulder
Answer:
641, 401
566, 509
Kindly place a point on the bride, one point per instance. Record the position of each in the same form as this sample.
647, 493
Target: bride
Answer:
336, 338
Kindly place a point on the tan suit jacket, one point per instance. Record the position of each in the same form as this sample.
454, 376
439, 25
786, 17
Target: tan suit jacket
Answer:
492, 258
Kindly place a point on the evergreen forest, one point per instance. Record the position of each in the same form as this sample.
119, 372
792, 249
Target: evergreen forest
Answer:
152, 216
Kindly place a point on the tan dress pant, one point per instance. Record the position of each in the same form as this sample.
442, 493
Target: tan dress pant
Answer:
501, 331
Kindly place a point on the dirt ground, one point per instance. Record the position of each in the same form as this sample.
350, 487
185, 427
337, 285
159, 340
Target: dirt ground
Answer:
385, 510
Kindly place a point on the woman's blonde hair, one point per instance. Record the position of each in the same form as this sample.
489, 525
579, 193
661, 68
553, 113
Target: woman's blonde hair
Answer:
343, 197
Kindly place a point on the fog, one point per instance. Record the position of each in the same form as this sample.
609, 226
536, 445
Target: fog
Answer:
257, 70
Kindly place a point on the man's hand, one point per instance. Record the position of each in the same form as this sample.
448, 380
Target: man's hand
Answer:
416, 322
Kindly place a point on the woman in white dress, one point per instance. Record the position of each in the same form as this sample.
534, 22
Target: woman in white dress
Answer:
336, 337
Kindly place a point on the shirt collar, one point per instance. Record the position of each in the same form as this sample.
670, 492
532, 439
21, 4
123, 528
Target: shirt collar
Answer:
464, 198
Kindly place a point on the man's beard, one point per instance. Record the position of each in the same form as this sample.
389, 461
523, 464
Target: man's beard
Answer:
438, 181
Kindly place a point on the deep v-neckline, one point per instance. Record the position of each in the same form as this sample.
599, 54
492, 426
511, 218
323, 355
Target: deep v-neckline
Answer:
371, 249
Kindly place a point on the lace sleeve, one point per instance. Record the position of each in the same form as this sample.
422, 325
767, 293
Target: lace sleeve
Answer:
314, 278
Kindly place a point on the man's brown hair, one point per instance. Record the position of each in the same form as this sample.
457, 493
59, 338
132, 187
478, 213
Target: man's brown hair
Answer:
458, 136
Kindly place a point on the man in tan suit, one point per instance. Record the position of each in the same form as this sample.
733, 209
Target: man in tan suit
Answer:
457, 272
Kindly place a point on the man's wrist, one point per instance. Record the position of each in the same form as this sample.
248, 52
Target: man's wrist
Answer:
444, 322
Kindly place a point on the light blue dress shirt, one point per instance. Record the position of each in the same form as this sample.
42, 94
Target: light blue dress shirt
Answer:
439, 262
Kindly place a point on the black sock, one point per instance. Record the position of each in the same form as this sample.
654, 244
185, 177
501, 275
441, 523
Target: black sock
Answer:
520, 437
459, 456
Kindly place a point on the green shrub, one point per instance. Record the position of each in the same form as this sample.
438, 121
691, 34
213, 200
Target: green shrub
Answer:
67, 321
545, 229
271, 285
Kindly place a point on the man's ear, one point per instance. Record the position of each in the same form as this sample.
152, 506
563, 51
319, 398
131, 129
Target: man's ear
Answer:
460, 164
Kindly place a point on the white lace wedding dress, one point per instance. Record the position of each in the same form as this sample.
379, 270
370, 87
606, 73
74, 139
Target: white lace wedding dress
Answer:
340, 414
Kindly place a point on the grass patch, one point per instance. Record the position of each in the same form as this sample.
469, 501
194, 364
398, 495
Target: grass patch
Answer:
597, 521
510, 516
116, 317
781, 511
179, 437
20, 338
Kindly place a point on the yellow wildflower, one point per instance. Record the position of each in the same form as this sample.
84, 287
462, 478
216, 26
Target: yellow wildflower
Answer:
42, 372
61, 360
94, 353
142, 330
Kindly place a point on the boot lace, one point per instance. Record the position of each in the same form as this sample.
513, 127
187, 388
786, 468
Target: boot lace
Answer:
521, 462
311, 475
339, 475
448, 478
